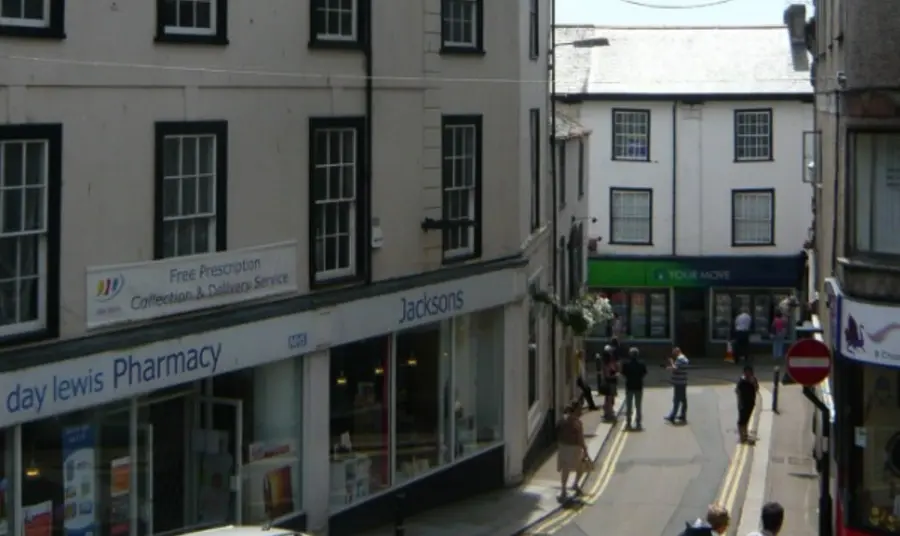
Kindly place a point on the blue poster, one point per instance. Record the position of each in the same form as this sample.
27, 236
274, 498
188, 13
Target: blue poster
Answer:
79, 480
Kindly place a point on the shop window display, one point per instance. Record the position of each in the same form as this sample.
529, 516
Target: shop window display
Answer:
727, 304
478, 380
6, 495
360, 420
423, 391
643, 314
878, 442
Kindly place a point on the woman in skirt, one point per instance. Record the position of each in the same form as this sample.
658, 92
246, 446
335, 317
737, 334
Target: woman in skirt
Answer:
572, 451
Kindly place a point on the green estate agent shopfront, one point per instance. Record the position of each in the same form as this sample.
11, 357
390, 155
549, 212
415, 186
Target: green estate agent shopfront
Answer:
691, 301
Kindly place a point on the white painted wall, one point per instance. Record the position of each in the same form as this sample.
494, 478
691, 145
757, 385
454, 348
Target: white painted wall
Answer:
266, 83
706, 174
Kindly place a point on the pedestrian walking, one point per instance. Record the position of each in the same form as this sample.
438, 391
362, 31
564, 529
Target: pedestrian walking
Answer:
678, 377
634, 370
572, 450
746, 389
779, 333
716, 522
581, 382
743, 322
772, 520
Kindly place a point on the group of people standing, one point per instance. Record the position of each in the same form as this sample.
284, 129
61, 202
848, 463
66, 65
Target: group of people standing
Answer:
718, 520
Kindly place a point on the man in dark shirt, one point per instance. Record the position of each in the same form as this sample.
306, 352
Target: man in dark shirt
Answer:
746, 390
634, 371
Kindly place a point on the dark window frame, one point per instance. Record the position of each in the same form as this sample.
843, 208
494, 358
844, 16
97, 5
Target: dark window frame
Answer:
319, 39
581, 169
534, 30
217, 37
53, 135
771, 118
561, 147
54, 29
734, 196
477, 46
534, 116
476, 121
851, 238
216, 128
612, 238
625, 157
361, 248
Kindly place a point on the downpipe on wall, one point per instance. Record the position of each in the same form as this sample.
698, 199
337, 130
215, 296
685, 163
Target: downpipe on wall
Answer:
369, 111
554, 211
674, 177
836, 189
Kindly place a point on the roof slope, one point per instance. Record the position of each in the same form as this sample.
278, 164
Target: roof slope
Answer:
679, 60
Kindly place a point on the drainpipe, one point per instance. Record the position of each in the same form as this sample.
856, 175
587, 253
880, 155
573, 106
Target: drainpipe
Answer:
369, 107
837, 160
555, 206
674, 177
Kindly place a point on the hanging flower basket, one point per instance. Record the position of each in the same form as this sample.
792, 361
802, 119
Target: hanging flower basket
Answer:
581, 315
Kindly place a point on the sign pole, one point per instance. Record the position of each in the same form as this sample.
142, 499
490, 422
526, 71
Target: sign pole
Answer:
825, 500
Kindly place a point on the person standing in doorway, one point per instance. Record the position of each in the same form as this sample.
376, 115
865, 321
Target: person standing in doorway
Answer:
581, 382
634, 370
743, 322
779, 333
572, 449
678, 366
618, 327
747, 389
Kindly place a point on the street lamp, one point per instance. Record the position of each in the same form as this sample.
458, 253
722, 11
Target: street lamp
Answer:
584, 43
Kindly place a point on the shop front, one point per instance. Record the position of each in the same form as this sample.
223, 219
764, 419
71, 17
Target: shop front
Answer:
692, 301
866, 383
228, 425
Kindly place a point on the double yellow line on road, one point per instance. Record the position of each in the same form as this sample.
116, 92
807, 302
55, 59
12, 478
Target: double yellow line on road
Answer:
561, 518
730, 486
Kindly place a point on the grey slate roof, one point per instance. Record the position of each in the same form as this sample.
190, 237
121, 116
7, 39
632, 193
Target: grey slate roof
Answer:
679, 60
567, 127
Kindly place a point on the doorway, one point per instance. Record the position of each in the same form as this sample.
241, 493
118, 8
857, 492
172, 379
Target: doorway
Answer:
690, 326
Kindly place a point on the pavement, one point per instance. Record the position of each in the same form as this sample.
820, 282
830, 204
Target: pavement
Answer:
654, 481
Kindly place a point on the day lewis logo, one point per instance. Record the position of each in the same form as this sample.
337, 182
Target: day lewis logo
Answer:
856, 334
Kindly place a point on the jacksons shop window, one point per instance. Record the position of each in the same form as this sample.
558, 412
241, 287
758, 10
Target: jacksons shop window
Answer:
869, 444
407, 404
643, 313
761, 304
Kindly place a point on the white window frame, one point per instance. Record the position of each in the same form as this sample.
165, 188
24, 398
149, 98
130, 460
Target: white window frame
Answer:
739, 217
616, 218
171, 29
41, 321
323, 35
450, 156
756, 141
168, 180
329, 274
631, 131
22, 22
449, 18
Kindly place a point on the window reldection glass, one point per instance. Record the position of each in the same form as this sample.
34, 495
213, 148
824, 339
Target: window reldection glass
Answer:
876, 193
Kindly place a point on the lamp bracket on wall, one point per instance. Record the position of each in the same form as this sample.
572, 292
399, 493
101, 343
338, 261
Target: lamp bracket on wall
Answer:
431, 224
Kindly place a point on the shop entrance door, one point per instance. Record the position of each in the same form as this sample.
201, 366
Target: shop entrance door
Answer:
690, 327
216, 451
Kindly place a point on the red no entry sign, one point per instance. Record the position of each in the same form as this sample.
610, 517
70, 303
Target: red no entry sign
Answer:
808, 361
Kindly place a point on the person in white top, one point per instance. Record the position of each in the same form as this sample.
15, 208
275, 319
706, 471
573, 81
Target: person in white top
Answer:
743, 322
772, 520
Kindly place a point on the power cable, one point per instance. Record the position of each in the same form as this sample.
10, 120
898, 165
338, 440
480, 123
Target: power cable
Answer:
322, 76
676, 6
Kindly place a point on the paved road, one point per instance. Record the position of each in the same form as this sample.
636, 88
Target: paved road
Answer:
665, 475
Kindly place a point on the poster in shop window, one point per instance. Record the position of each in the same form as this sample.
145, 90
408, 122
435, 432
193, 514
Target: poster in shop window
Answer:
119, 493
37, 519
78, 480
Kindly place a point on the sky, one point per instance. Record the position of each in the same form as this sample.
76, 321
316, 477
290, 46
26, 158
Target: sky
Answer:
617, 12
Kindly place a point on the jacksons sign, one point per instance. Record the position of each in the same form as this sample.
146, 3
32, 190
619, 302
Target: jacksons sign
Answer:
173, 286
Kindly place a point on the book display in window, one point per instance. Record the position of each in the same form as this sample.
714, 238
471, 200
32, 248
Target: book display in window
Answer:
762, 308
638, 320
722, 317
659, 316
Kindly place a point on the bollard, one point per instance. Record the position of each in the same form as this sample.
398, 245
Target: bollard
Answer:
399, 514
775, 390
